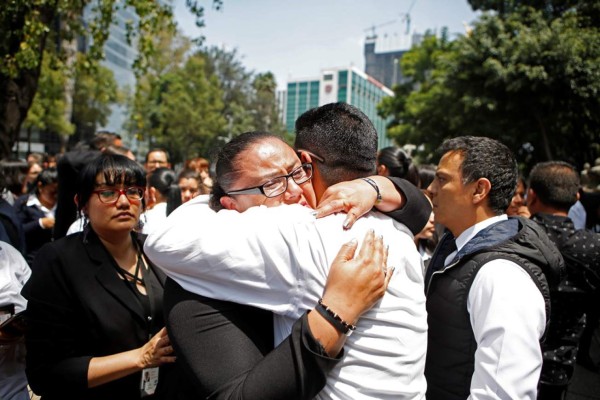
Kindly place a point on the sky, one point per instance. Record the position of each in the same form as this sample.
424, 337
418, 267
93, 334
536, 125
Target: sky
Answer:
296, 39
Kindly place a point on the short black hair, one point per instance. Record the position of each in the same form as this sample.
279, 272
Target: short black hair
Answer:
102, 139
343, 136
555, 183
117, 169
226, 163
46, 177
484, 157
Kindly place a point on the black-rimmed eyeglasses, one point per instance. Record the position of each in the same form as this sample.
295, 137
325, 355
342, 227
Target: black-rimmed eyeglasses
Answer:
278, 185
110, 196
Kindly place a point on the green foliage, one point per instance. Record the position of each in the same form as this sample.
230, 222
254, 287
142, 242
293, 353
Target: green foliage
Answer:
526, 80
47, 112
264, 104
96, 90
26, 27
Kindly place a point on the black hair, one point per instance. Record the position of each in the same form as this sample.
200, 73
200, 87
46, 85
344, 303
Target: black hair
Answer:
165, 181
343, 136
46, 177
14, 172
484, 157
555, 183
227, 160
399, 164
103, 139
426, 175
116, 169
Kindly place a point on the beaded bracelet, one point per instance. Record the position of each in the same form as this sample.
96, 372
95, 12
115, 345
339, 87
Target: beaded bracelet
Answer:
338, 323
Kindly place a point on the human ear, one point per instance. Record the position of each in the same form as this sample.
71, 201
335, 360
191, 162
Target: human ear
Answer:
481, 190
228, 203
305, 157
382, 170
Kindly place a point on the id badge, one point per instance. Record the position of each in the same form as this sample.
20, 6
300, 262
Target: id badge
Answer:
149, 381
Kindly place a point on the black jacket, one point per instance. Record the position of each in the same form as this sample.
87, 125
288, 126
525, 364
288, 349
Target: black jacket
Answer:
572, 297
451, 343
225, 350
79, 308
35, 235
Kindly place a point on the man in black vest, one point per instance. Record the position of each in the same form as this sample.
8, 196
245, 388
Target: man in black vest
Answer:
553, 189
487, 283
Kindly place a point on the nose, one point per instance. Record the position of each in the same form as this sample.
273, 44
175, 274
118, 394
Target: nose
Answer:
293, 192
430, 188
122, 200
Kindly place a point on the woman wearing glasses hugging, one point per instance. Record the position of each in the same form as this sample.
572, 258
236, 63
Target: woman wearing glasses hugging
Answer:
95, 313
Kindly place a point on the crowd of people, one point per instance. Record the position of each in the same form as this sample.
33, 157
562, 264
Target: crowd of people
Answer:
324, 270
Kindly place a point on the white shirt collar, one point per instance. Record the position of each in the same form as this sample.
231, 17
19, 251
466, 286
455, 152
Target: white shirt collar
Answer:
470, 233
33, 200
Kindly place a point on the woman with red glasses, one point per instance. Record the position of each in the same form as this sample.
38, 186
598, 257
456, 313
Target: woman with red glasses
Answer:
95, 313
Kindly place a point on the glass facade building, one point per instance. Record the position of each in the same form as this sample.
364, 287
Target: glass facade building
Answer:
349, 85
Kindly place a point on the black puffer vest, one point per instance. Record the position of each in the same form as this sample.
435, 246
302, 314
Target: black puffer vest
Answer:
451, 346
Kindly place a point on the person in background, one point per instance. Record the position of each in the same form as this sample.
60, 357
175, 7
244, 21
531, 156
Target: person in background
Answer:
190, 184
14, 272
577, 212
13, 172
202, 166
426, 175
11, 229
487, 284
156, 158
517, 206
393, 161
36, 212
32, 173
94, 312
165, 194
426, 240
553, 189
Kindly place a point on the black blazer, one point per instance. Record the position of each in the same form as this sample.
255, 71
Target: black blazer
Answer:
79, 308
35, 235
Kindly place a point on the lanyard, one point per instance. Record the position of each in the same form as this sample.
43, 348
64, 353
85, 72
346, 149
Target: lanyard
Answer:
148, 306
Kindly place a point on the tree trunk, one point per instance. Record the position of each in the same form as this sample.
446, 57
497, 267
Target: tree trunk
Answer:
16, 96
16, 93
69, 50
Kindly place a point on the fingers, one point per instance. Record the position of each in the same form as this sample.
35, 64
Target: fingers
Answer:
388, 276
347, 251
368, 246
326, 208
350, 219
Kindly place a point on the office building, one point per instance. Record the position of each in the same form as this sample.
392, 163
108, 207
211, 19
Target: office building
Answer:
349, 85
383, 55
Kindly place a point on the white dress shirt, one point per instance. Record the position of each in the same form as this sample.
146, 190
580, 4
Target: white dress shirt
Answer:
154, 218
14, 272
278, 259
508, 317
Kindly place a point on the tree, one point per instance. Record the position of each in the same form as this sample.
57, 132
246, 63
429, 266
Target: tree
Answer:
25, 28
264, 104
95, 91
47, 109
531, 82
236, 85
